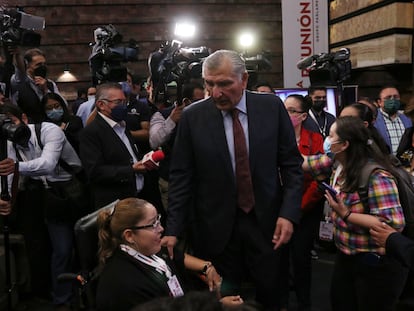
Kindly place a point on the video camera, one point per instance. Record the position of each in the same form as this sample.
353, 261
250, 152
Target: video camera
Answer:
10, 131
108, 55
17, 28
173, 63
328, 68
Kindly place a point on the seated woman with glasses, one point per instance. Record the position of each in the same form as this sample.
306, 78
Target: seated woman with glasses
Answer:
134, 268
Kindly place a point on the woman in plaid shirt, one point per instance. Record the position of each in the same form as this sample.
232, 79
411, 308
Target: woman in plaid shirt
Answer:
364, 277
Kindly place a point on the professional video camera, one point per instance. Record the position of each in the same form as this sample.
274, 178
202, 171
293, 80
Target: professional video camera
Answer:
173, 63
17, 28
16, 133
108, 55
328, 68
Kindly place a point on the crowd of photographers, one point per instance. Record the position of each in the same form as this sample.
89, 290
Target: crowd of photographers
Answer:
63, 161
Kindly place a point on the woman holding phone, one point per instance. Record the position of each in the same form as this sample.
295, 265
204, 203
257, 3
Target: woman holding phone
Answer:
363, 272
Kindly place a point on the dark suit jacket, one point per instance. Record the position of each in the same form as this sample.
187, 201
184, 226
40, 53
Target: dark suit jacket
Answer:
402, 248
201, 169
107, 162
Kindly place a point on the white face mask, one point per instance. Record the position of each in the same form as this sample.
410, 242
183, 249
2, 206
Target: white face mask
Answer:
91, 97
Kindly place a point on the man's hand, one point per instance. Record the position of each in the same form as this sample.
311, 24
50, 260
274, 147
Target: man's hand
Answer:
169, 242
7, 167
176, 113
380, 233
41, 83
283, 232
139, 167
5, 207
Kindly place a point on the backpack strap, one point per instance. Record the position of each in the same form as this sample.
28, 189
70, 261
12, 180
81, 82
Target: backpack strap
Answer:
364, 183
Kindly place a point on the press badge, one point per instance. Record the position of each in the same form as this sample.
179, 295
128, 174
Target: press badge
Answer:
175, 287
326, 226
326, 230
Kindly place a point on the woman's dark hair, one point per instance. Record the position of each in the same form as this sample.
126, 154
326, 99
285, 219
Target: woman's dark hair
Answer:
62, 103
304, 101
361, 148
366, 114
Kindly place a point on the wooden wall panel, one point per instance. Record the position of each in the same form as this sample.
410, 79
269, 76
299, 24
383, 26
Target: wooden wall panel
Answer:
393, 49
70, 25
340, 8
396, 15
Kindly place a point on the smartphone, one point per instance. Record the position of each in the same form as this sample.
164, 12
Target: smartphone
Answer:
331, 190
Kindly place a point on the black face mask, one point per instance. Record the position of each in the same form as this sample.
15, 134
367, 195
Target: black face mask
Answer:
40, 71
318, 105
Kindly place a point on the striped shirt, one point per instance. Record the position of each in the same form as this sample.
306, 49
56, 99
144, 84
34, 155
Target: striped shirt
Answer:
383, 202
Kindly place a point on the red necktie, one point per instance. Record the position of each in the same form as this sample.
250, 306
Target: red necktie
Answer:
245, 195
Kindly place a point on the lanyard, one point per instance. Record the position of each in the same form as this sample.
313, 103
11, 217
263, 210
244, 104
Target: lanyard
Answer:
321, 129
327, 209
154, 261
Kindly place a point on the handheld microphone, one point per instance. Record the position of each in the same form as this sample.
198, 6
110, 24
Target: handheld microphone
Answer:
152, 159
306, 62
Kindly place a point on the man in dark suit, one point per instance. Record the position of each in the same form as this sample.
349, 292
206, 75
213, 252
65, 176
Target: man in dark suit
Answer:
107, 151
206, 188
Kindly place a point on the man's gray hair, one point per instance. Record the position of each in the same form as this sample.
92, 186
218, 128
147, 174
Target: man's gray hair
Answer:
217, 59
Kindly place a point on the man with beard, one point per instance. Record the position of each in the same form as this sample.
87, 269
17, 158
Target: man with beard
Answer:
318, 119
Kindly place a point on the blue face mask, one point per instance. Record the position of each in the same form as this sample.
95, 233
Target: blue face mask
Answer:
119, 113
327, 147
55, 114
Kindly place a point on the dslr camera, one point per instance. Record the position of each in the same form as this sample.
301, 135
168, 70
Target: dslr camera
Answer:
17, 28
108, 54
18, 134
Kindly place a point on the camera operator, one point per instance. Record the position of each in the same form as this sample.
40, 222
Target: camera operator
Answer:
30, 83
37, 217
318, 119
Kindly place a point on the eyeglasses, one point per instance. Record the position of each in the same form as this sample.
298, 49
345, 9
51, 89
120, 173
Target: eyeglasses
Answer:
291, 111
156, 224
115, 101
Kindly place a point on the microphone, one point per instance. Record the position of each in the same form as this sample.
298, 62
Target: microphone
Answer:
306, 62
151, 159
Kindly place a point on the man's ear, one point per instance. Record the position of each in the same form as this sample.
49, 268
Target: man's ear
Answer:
25, 119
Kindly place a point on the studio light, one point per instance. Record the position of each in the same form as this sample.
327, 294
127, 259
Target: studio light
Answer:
184, 29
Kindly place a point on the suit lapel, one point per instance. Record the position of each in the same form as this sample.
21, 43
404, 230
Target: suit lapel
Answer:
254, 129
115, 138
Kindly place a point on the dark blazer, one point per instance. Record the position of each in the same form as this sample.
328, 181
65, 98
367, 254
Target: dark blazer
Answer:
382, 128
201, 169
126, 282
402, 248
107, 162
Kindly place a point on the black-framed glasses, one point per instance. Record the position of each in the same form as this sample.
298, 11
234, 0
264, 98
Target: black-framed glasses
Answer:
115, 101
156, 224
291, 111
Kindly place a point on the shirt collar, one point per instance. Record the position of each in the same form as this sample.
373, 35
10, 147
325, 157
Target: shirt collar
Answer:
241, 106
111, 122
